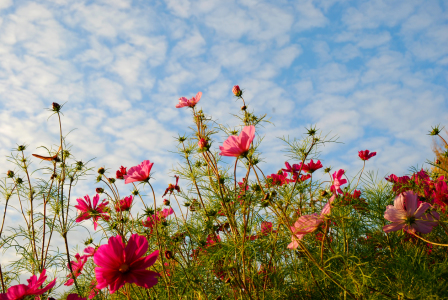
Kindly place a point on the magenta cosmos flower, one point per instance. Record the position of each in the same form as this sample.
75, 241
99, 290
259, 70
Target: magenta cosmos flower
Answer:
87, 209
142, 172
20, 291
366, 155
75, 297
338, 181
308, 223
312, 166
124, 204
238, 145
410, 214
119, 264
189, 102
77, 267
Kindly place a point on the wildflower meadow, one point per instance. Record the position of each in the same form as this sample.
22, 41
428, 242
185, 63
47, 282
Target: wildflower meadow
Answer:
307, 231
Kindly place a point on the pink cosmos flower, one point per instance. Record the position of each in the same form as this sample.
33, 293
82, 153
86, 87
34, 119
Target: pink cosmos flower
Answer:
119, 264
440, 194
142, 172
365, 155
120, 173
338, 181
309, 223
89, 252
279, 179
409, 214
159, 216
238, 145
77, 267
312, 166
294, 169
266, 227
124, 204
20, 291
172, 187
75, 297
86, 210
190, 103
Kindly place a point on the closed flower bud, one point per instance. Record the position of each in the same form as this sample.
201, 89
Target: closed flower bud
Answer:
134, 192
21, 148
10, 174
243, 107
99, 190
19, 180
327, 170
55, 106
111, 180
166, 202
438, 162
202, 143
168, 254
101, 171
237, 91
323, 193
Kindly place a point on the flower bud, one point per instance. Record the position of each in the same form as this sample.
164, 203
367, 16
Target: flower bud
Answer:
327, 170
10, 174
99, 190
111, 180
166, 202
323, 193
101, 171
243, 107
55, 106
438, 162
202, 143
21, 148
19, 180
237, 91
134, 192
168, 254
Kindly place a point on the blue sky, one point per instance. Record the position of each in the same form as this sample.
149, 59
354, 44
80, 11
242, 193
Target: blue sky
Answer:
372, 72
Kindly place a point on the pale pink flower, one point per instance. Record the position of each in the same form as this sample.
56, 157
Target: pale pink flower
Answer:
87, 209
142, 172
238, 145
410, 215
308, 223
338, 181
189, 102
20, 291
119, 264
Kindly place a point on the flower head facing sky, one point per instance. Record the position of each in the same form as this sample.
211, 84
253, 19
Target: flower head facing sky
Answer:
184, 102
366, 155
141, 172
87, 209
238, 145
119, 263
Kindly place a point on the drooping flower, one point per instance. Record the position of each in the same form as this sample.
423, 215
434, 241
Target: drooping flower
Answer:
409, 214
75, 297
309, 223
172, 187
20, 291
189, 102
366, 154
236, 91
88, 210
119, 263
312, 166
77, 267
121, 172
141, 172
338, 181
124, 204
238, 145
